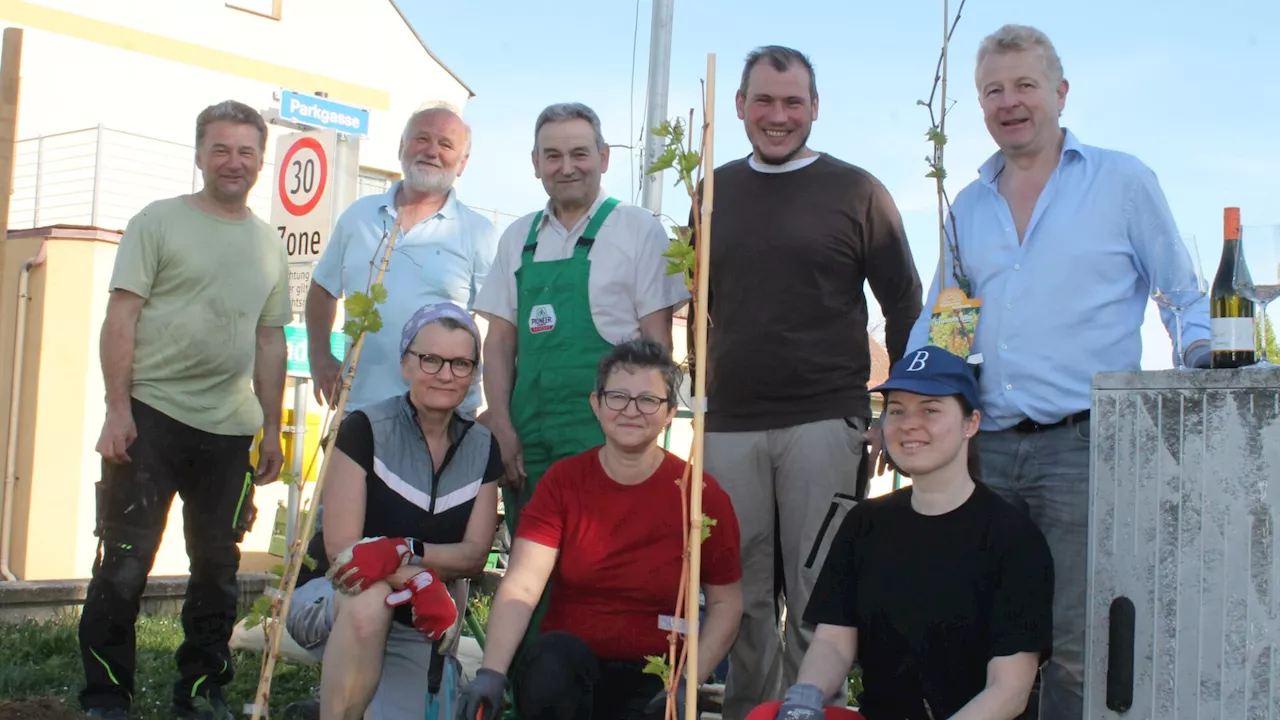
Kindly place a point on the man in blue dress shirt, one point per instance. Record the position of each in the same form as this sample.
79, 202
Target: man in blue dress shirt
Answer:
1057, 239
443, 254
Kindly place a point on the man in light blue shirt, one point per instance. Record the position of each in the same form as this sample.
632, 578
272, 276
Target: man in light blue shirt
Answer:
1059, 240
443, 254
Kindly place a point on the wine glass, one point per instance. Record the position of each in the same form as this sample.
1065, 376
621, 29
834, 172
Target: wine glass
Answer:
1259, 254
1177, 281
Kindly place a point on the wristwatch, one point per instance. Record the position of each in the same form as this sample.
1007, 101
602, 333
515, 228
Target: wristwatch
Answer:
416, 546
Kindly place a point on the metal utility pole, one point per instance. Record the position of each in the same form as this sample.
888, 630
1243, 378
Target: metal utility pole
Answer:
656, 111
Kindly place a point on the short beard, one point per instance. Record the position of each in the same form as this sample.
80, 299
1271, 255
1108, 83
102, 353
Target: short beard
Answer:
782, 159
428, 181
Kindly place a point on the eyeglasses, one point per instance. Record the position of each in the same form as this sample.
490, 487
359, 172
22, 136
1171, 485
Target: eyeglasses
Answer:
618, 401
432, 364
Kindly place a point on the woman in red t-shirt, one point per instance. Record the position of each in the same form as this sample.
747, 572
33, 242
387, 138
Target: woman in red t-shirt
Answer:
605, 527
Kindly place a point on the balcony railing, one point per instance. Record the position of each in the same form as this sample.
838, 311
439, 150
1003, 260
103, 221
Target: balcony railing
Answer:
102, 177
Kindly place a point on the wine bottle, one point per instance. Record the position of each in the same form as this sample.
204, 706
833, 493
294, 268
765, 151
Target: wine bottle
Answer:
1231, 318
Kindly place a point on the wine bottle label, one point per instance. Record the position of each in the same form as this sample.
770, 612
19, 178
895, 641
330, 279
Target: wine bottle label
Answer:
1232, 334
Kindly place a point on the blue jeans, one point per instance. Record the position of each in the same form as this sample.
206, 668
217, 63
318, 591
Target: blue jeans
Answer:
1046, 474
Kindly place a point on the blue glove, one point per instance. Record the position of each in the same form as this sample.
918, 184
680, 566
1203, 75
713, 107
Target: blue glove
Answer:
657, 707
802, 702
482, 697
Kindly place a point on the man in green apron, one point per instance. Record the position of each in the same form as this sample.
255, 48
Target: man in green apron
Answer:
568, 283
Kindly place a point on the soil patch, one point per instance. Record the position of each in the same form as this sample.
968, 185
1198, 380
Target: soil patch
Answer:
39, 709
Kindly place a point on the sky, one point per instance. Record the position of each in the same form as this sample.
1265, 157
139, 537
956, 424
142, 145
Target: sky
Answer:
1187, 86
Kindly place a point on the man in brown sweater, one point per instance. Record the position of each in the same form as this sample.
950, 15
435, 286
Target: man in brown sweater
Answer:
796, 235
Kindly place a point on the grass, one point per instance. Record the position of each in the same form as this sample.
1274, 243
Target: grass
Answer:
855, 685
479, 605
42, 660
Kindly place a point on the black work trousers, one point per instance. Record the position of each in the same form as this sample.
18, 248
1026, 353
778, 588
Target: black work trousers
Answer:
208, 472
558, 678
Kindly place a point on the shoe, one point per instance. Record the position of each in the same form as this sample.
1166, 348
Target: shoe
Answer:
302, 710
203, 708
108, 713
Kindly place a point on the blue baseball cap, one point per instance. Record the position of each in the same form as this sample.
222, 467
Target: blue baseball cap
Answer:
428, 314
933, 371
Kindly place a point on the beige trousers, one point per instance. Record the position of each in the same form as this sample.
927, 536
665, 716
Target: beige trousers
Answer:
790, 488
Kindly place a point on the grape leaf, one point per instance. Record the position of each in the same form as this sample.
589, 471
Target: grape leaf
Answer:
373, 321
358, 305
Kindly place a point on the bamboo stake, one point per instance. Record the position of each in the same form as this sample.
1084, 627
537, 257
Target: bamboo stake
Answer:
307, 522
700, 395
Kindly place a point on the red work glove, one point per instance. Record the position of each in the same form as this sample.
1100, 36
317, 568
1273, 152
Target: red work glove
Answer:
367, 562
434, 611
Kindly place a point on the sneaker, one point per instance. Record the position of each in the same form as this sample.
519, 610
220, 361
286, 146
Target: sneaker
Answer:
302, 710
108, 713
203, 708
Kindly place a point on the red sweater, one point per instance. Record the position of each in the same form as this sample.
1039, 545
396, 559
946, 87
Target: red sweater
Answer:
620, 546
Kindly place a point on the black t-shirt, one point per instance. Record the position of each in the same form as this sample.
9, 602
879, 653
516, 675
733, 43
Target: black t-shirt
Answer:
935, 598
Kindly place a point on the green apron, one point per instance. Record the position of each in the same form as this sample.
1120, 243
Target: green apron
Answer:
557, 351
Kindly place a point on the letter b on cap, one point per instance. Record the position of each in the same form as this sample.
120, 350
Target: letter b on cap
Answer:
917, 362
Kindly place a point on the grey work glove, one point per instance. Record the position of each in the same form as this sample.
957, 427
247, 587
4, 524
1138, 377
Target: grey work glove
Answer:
481, 699
657, 707
802, 702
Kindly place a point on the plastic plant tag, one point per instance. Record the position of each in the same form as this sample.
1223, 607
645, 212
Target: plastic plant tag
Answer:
954, 323
667, 622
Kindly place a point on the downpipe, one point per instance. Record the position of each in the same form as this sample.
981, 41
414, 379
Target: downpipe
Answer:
15, 397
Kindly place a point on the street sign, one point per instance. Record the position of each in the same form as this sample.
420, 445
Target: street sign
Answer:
302, 204
324, 114
295, 338
299, 284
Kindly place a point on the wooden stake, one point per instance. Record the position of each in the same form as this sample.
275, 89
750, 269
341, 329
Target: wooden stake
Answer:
10, 81
307, 520
700, 395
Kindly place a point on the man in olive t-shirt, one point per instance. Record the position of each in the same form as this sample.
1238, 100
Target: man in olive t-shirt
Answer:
194, 329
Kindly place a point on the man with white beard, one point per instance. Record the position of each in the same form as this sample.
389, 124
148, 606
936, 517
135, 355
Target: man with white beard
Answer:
443, 254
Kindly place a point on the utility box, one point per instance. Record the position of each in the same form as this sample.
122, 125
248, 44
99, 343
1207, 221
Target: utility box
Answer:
1183, 616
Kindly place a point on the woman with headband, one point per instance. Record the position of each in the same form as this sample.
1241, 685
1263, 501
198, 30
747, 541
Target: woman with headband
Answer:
410, 503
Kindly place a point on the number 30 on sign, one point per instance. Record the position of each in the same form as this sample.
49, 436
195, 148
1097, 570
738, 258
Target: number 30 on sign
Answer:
302, 206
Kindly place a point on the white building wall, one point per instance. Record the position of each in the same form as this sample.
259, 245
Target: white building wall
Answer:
70, 83
108, 114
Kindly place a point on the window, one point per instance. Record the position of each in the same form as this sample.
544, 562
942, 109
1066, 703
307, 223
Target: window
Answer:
374, 182
265, 8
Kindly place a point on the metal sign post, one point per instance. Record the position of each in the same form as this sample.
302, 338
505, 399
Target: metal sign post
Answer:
302, 211
316, 175
299, 430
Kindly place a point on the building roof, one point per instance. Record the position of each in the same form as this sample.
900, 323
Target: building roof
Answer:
412, 29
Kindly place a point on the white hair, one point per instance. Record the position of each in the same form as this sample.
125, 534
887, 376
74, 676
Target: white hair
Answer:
1018, 38
432, 106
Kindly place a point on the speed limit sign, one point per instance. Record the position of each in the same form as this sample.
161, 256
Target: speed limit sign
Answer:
302, 203
303, 175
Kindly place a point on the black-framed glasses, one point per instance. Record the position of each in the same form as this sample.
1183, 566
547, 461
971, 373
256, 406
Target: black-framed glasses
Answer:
432, 364
618, 401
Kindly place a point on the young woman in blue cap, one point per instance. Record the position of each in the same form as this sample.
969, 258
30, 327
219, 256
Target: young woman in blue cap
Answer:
942, 591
